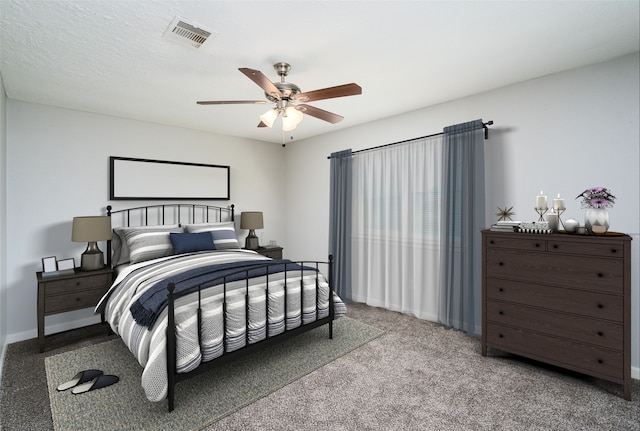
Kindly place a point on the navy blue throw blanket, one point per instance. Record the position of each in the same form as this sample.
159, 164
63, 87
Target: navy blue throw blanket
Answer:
148, 307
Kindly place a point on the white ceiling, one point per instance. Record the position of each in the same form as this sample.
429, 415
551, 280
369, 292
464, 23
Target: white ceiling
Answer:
108, 56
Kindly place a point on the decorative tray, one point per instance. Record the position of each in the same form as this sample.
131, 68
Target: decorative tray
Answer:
608, 233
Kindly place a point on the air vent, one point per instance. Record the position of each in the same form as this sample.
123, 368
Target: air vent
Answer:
186, 33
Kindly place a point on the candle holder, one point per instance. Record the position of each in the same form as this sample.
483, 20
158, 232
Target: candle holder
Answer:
561, 211
541, 212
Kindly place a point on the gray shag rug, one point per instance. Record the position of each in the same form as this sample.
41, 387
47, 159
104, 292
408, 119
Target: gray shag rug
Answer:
200, 400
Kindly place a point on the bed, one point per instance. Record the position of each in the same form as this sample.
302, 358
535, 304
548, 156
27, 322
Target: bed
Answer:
186, 297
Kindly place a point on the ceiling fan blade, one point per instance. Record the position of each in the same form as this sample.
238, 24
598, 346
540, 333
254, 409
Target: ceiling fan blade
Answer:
264, 82
320, 113
330, 92
231, 102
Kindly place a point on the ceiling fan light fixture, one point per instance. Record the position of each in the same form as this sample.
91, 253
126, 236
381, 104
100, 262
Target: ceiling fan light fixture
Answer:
269, 117
288, 124
293, 114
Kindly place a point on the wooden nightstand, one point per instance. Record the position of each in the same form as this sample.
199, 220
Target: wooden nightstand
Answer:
272, 252
62, 293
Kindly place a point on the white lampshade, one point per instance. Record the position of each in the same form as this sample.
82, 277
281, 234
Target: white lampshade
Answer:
269, 117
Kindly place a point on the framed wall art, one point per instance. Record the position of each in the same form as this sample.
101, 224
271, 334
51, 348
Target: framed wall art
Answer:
144, 179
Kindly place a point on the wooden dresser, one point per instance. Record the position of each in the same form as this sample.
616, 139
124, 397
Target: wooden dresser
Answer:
560, 299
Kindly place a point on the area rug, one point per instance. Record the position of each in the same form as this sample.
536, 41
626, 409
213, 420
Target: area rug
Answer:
201, 400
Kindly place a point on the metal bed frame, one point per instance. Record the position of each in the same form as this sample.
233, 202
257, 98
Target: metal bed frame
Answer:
199, 213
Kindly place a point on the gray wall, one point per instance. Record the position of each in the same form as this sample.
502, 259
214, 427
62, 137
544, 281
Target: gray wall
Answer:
560, 134
3, 226
58, 168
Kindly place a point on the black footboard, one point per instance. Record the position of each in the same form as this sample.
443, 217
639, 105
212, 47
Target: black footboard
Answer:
173, 377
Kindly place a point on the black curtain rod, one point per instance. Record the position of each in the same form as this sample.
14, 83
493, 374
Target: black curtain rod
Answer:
484, 126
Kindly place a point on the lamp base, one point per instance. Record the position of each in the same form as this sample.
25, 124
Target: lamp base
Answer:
251, 242
92, 259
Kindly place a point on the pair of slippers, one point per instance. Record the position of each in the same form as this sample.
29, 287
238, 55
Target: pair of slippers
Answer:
88, 380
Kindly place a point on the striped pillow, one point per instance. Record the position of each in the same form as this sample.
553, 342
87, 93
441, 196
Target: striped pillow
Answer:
224, 234
149, 243
119, 242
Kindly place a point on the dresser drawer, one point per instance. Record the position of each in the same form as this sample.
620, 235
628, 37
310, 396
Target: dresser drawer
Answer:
73, 300
504, 241
584, 329
57, 287
613, 250
585, 358
585, 303
606, 275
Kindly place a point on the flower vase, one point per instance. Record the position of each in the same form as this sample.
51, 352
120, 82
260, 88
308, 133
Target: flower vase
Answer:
596, 220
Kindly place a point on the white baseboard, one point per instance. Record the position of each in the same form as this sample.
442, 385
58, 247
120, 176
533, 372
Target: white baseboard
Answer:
52, 329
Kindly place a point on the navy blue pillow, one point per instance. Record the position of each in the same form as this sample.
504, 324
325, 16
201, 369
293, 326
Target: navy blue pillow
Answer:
190, 242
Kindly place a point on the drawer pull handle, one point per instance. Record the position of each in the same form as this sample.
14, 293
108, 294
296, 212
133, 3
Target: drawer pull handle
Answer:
600, 275
501, 263
613, 250
491, 242
500, 336
501, 313
78, 299
600, 361
600, 306
537, 245
501, 290
555, 245
600, 333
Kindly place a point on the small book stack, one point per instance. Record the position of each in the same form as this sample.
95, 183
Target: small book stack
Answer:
505, 226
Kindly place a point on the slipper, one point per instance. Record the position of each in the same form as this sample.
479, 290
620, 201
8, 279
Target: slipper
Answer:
81, 377
99, 382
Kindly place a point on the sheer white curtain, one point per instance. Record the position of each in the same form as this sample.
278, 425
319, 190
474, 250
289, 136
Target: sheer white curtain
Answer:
396, 227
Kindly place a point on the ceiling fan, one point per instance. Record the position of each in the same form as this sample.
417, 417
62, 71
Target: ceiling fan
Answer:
288, 98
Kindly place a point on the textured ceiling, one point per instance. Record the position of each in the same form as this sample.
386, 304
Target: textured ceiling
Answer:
109, 56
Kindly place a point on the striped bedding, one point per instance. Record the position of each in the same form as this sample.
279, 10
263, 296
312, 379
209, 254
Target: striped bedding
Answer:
149, 344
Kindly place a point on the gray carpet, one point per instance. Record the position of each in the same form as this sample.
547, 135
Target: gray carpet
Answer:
199, 401
416, 376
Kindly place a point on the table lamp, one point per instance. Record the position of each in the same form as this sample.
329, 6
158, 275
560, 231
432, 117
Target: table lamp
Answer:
91, 229
251, 220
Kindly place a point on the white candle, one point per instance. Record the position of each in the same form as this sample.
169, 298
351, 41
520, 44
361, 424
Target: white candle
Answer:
541, 201
552, 219
558, 204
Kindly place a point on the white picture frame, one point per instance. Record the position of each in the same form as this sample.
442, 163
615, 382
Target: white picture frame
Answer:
66, 264
49, 264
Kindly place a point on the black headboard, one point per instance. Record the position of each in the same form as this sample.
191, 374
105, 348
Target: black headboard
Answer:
174, 213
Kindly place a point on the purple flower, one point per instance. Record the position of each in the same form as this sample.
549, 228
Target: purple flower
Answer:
597, 197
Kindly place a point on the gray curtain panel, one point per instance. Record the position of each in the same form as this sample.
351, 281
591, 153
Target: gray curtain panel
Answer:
462, 219
340, 222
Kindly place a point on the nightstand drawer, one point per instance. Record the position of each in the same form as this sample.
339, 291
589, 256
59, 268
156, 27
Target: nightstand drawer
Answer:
57, 287
73, 301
